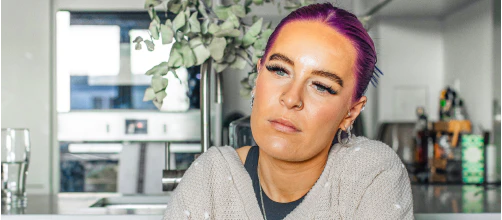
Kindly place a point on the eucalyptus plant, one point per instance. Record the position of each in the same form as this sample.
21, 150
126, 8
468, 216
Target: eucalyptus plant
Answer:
201, 31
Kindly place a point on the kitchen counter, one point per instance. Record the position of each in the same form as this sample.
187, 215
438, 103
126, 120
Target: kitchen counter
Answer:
430, 202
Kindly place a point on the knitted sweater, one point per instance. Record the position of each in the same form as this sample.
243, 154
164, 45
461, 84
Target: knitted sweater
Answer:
364, 179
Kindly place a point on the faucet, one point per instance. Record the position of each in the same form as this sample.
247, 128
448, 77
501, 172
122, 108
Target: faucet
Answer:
171, 178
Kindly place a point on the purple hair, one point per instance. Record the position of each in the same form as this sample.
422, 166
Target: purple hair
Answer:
349, 26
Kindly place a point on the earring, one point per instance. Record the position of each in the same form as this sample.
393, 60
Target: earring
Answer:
362, 109
252, 100
349, 136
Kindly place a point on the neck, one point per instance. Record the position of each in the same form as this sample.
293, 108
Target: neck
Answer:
285, 181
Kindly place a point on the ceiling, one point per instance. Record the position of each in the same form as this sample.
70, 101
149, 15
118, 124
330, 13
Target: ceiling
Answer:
415, 8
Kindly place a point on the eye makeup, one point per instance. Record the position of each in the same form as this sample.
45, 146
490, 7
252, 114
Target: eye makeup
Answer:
320, 87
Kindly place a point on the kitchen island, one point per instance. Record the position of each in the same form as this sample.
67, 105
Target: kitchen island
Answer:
443, 202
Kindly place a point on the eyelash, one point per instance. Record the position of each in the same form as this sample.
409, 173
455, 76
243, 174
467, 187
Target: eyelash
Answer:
325, 88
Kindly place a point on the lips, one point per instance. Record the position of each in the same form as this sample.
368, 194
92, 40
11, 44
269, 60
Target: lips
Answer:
284, 125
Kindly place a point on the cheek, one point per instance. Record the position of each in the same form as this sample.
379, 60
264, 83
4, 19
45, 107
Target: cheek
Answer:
324, 118
265, 91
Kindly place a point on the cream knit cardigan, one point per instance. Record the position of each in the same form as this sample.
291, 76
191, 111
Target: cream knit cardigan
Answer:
363, 179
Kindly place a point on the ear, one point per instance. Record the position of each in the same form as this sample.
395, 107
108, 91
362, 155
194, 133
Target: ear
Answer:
258, 67
355, 110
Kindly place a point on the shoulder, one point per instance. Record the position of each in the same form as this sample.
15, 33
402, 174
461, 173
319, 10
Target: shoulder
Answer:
369, 155
243, 153
217, 154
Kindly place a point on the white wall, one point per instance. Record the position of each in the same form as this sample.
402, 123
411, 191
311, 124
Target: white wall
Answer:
468, 42
410, 53
26, 81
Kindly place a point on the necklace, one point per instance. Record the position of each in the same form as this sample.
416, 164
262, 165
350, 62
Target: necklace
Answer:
261, 193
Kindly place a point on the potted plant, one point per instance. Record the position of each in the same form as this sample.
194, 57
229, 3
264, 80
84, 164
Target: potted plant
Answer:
224, 35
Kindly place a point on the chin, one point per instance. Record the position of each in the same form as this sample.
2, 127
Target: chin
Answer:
281, 148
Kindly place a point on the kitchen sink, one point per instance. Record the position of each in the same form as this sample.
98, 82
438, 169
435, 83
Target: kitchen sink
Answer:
132, 204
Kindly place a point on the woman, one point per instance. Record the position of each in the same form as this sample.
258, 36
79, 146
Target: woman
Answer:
309, 89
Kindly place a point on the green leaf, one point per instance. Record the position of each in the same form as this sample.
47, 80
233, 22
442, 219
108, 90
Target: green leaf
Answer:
239, 63
154, 31
149, 45
149, 94
175, 58
179, 21
256, 27
238, 10
245, 92
213, 28
248, 39
167, 32
248, 3
159, 83
234, 20
245, 84
157, 103
153, 15
194, 23
195, 42
229, 56
268, 25
202, 10
219, 67
137, 39
222, 12
226, 25
260, 44
138, 46
152, 3
201, 54
251, 35
179, 36
174, 6
188, 57
258, 2
205, 26
228, 33
252, 79
161, 95
266, 33
158, 70
217, 47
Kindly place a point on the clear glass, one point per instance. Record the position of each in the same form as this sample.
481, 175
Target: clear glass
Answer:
16, 149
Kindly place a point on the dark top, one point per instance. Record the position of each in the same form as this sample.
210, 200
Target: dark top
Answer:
274, 210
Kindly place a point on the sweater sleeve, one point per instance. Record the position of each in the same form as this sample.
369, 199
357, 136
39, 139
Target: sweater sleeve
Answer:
192, 193
388, 196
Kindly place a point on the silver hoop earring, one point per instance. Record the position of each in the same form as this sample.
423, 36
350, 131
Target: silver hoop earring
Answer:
340, 140
252, 100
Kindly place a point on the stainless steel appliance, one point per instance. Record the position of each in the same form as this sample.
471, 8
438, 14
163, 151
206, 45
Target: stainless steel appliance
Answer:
124, 151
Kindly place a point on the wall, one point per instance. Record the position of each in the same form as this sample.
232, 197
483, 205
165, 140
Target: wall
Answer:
496, 76
410, 53
468, 42
496, 50
26, 81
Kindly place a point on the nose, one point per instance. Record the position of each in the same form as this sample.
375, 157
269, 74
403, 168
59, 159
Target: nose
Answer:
292, 97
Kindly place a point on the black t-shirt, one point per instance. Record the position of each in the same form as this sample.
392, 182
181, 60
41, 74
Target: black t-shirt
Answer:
274, 210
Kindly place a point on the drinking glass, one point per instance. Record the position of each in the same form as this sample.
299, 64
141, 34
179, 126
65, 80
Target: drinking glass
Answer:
15, 159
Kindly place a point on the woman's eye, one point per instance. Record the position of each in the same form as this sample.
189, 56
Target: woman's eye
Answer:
322, 88
277, 70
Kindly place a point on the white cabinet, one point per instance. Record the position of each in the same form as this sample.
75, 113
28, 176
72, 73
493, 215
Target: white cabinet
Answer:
26, 81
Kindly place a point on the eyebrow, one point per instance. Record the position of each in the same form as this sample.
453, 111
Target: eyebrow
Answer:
331, 76
278, 56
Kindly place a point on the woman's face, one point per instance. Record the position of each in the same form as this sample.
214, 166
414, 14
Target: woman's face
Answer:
303, 91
